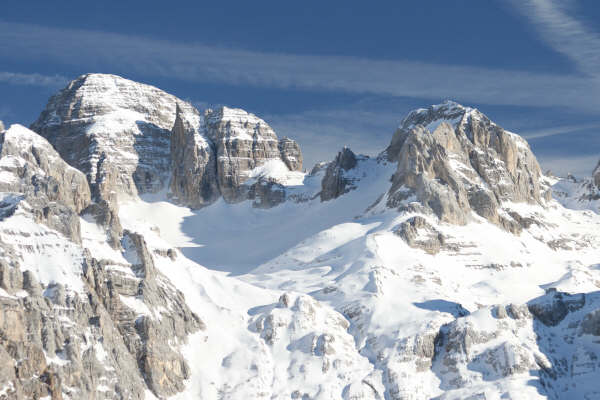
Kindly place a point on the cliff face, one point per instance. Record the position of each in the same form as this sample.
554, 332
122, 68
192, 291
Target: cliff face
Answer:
69, 313
130, 138
334, 183
243, 143
116, 131
194, 168
455, 160
55, 193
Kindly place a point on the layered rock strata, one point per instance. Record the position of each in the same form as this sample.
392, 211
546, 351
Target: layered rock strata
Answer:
456, 161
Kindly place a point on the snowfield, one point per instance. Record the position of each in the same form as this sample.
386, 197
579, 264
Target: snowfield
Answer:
342, 261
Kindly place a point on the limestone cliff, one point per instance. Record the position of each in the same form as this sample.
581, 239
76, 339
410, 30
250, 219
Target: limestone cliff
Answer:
455, 160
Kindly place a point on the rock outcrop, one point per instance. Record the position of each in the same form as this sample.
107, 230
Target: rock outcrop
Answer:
455, 160
108, 339
116, 131
29, 165
552, 308
52, 191
418, 233
596, 175
335, 182
290, 153
243, 143
58, 343
238, 157
72, 323
194, 167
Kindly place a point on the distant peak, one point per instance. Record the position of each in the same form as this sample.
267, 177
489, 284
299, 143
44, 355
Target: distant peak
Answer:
449, 111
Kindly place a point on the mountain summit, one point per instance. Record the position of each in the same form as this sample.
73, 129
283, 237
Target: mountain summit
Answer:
151, 250
121, 133
456, 161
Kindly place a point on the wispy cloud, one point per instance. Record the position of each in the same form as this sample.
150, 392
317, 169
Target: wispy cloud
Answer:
193, 62
32, 79
564, 33
559, 130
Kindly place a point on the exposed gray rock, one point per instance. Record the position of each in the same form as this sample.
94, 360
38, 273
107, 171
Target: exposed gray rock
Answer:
56, 216
455, 160
129, 138
244, 142
56, 342
596, 175
194, 167
106, 215
552, 308
266, 193
36, 180
32, 167
56, 326
221, 162
591, 323
418, 233
163, 368
335, 183
2, 126
116, 131
290, 153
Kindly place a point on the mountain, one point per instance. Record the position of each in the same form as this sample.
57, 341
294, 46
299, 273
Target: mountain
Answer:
151, 250
118, 132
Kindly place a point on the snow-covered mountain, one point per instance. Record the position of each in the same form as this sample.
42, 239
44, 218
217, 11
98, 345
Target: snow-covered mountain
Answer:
150, 250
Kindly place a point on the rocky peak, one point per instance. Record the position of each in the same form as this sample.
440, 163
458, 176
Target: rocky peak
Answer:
244, 142
116, 131
194, 167
596, 175
448, 110
290, 153
456, 160
2, 126
232, 158
429, 119
335, 182
130, 138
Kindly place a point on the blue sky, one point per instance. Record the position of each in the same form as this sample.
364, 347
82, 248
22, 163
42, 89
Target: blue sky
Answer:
330, 73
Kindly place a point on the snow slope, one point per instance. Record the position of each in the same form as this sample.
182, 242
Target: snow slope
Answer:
345, 256
315, 299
